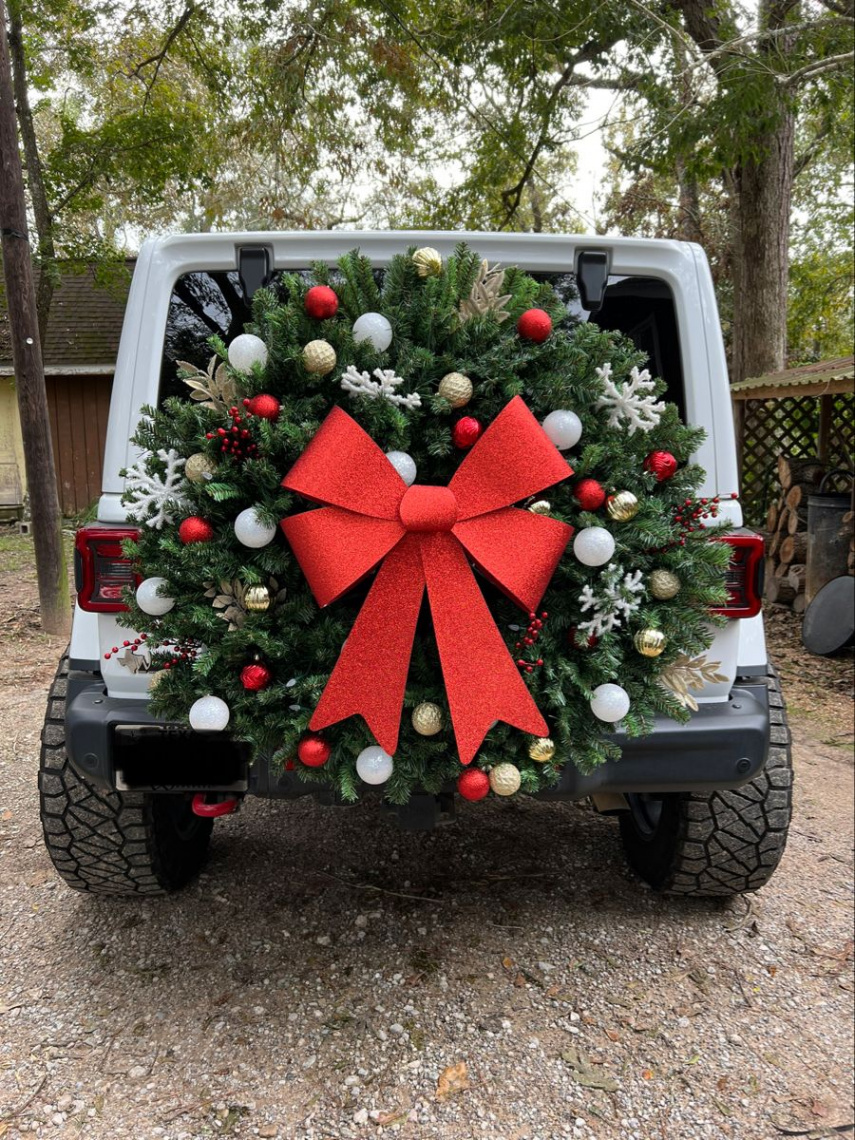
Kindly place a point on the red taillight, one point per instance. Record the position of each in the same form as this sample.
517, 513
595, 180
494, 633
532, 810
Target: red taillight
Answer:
744, 577
101, 570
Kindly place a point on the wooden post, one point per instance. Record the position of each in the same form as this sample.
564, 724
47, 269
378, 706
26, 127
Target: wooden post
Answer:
739, 428
27, 361
826, 412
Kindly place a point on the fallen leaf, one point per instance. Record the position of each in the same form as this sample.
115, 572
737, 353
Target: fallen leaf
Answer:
396, 1116
612, 1035
508, 963
584, 1072
647, 1074
454, 1079
519, 981
6, 815
818, 1108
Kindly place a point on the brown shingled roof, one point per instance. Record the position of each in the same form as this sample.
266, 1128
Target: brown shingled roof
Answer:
85, 317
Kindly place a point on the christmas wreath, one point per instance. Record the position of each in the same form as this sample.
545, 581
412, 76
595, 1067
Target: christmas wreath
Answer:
419, 528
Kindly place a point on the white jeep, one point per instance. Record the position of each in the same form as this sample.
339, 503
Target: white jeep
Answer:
703, 807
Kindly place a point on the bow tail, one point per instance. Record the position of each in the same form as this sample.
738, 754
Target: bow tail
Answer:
481, 680
370, 675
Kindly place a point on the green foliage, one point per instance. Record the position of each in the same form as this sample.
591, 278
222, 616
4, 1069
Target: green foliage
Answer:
301, 643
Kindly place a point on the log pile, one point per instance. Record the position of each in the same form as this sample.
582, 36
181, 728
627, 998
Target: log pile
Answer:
786, 527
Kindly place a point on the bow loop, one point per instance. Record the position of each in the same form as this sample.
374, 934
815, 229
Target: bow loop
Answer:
420, 536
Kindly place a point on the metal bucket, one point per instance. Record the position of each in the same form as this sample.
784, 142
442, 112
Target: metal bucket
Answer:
827, 547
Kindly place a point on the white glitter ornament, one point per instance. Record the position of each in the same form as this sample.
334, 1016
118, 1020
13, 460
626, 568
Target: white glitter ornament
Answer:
564, 428
247, 350
593, 546
404, 464
373, 765
251, 530
209, 714
374, 328
610, 703
150, 601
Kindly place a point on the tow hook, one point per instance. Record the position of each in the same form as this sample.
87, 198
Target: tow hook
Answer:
201, 806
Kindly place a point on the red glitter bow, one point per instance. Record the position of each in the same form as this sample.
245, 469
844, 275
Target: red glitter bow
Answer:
422, 536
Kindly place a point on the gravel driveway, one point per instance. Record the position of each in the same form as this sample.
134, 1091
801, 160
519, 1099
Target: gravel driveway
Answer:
503, 977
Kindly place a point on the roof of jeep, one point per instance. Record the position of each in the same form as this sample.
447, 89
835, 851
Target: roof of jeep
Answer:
85, 319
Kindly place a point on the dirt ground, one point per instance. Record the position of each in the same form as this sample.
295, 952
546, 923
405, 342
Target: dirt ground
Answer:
330, 975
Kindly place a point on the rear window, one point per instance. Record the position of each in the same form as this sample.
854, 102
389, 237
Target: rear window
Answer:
214, 304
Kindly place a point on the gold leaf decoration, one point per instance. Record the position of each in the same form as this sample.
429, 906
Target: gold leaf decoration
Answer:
229, 599
690, 673
212, 389
486, 295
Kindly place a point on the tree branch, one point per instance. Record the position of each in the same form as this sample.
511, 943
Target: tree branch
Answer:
818, 67
158, 58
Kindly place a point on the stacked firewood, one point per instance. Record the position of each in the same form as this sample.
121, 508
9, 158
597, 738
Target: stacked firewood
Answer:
786, 527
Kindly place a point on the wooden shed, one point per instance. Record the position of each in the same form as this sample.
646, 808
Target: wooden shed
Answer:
80, 358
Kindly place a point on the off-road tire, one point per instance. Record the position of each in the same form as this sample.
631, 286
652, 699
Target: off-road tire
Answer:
716, 843
112, 843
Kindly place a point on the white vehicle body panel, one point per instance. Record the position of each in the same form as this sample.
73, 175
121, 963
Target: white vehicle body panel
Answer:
681, 266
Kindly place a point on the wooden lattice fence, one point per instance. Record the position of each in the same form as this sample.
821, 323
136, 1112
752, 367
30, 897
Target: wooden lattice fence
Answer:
789, 426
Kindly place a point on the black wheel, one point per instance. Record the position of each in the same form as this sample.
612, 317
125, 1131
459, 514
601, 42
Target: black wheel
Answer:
716, 843
112, 843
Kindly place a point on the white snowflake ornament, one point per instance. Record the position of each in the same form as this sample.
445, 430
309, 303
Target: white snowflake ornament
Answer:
384, 387
617, 597
631, 402
145, 490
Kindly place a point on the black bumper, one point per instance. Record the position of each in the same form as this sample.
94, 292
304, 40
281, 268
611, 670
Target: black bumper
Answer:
722, 746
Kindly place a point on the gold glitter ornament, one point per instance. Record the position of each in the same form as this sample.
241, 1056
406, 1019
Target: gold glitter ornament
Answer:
257, 599
664, 585
456, 388
199, 468
428, 262
649, 642
427, 719
319, 357
541, 749
505, 779
541, 507
623, 506
155, 678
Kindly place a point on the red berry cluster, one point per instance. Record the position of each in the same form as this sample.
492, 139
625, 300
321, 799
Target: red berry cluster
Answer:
689, 514
535, 625
183, 652
132, 645
236, 441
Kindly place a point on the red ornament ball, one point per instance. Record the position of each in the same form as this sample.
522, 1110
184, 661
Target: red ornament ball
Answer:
535, 324
321, 302
313, 750
255, 677
466, 432
195, 529
589, 494
473, 784
265, 407
662, 464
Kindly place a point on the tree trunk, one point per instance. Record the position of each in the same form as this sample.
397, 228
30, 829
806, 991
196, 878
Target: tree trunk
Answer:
45, 250
29, 371
760, 215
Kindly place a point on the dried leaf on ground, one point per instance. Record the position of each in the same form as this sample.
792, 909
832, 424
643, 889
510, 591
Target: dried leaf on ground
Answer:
454, 1079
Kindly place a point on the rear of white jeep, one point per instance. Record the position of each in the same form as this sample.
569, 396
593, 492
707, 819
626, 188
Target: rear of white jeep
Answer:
703, 807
